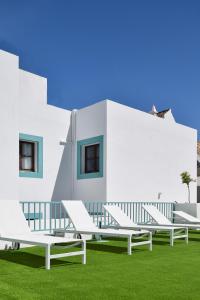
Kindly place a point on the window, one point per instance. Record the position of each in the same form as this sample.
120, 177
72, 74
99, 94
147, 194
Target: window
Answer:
27, 156
30, 156
90, 158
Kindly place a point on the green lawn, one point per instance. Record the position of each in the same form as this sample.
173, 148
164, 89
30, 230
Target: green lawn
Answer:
165, 273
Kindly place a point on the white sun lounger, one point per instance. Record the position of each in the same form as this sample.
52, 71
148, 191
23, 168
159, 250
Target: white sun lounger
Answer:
123, 221
186, 217
14, 228
160, 219
83, 224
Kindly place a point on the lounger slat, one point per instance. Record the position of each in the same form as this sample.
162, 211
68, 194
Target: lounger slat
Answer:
187, 217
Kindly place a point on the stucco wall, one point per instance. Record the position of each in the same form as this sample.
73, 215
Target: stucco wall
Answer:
53, 124
9, 126
24, 109
145, 156
90, 122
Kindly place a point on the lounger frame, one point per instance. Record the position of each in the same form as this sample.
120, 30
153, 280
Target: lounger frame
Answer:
14, 228
163, 221
117, 233
173, 231
102, 232
48, 255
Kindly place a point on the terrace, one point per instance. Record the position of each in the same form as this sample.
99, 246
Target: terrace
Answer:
166, 272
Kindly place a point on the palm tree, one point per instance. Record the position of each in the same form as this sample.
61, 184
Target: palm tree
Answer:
186, 179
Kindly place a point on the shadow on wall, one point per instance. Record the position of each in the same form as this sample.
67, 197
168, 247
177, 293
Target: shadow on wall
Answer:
63, 183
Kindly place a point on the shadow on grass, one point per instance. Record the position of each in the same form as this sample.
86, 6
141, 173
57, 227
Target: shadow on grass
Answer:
194, 239
31, 260
159, 239
160, 242
162, 237
112, 249
106, 248
195, 232
120, 239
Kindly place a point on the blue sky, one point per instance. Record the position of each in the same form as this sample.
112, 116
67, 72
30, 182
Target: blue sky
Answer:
134, 52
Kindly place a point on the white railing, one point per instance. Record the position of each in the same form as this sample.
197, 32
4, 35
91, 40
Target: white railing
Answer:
47, 216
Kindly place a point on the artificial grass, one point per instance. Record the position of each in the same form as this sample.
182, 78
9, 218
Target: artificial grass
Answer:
165, 273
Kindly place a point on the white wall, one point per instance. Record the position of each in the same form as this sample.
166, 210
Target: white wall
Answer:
24, 109
9, 126
145, 156
53, 124
90, 122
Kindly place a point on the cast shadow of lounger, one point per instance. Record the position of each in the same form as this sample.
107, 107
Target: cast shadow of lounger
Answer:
110, 248
194, 239
31, 260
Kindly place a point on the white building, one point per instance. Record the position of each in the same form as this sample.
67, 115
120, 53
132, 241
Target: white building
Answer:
104, 152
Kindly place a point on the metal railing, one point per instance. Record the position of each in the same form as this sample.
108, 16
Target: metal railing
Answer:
47, 216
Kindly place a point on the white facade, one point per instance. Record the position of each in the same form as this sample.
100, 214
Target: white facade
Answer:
90, 122
53, 124
24, 109
142, 157
9, 89
146, 156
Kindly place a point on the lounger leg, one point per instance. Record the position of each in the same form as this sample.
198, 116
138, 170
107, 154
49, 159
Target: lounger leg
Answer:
84, 252
150, 239
129, 245
172, 238
47, 257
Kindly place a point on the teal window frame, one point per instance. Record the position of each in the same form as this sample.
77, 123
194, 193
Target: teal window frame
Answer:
90, 141
39, 142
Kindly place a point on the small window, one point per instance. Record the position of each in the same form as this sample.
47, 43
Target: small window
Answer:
90, 158
27, 156
30, 156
